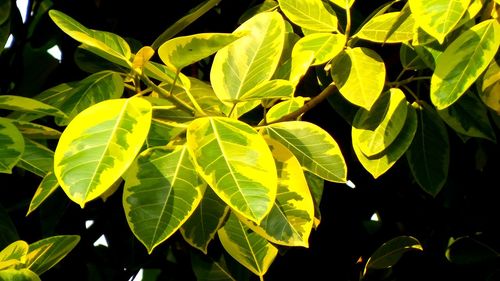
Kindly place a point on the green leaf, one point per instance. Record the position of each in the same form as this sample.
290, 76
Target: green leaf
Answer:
162, 132
391, 252
410, 59
48, 185
429, 153
4, 10
44, 254
36, 158
463, 61
490, 86
236, 162
469, 116
359, 74
469, 251
11, 146
342, 3
14, 254
285, 107
271, 89
297, 66
316, 185
207, 269
324, 45
380, 163
98, 146
315, 149
35, 131
24, 104
201, 226
247, 247
311, 14
251, 60
4, 33
290, 221
438, 17
180, 52
373, 131
266, 6
395, 27
22, 274
105, 44
162, 189
204, 95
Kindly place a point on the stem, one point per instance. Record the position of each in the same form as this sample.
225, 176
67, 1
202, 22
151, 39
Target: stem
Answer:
407, 81
348, 19
417, 99
191, 98
329, 90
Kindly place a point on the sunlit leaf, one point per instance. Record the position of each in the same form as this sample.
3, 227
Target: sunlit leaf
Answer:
182, 51
359, 74
271, 89
490, 86
236, 162
290, 220
22, 274
204, 95
298, 66
11, 146
45, 253
394, 27
13, 254
324, 45
35, 131
247, 247
24, 104
469, 116
342, 3
429, 153
438, 17
310, 14
251, 60
373, 131
202, 225
315, 149
380, 163
48, 185
98, 146
463, 61
391, 252
36, 158
162, 189
142, 57
285, 107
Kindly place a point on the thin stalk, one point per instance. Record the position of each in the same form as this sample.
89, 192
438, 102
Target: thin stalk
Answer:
407, 81
197, 107
348, 19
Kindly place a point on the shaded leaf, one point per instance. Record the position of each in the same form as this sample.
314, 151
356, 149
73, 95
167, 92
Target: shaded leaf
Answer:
36, 158
463, 61
324, 45
247, 247
359, 74
11, 146
391, 251
98, 146
467, 251
35, 131
14, 254
162, 189
48, 185
44, 254
410, 59
310, 14
266, 6
315, 149
207, 269
22, 274
236, 162
18, 103
316, 185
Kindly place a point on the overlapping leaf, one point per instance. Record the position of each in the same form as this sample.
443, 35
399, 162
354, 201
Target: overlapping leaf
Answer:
394, 27
272, 89
22, 274
247, 247
24, 104
315, 149
463, 61
490, 86
36, 158
48, 185
98, 146
283, 108
373, 131
236, 162
45, 253
36, 131
324, 45
359, 74
162, 189
207, 269
391, 252
316, 185
202, 225
13, 254
310, 14
11, 145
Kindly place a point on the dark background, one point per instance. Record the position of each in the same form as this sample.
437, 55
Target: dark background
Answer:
346, 237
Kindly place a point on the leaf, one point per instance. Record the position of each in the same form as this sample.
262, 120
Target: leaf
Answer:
469, 251
271, 89
410, 59
316, 185
11, 146
162, 189
98, 146
490, 86
162, 131
373, 131
438, 17
207, 269
142, 57
315, 149
285, 107
324, 45
19, 103
201, 226
359, 74
342, 3
395, 27
180, 52
391, 252
310, 14
251, 60
46, 253
236, 162
22, 274
429, 153
266, 6
290, 221
247, 247
36, 158
469, 116
35, 131
48, 185
204, 95
14, 254
4, 10
297, 67
380, 163
463, 61
105, 44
